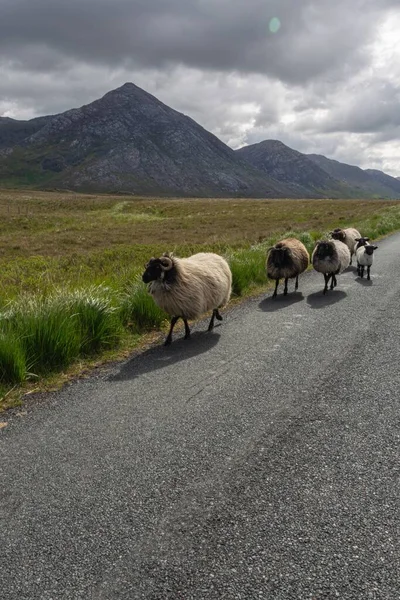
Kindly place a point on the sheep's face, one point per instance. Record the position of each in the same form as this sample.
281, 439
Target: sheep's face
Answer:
324, 250
338, 234
153, 270
158, 268
280, 256
362, 241
370, 249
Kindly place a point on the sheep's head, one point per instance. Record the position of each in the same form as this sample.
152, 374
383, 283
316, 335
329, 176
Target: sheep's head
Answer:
361, 241
279, 254
338, 234
369, 249
156, 268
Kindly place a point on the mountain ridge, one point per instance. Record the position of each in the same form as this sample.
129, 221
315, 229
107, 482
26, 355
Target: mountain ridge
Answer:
128, 140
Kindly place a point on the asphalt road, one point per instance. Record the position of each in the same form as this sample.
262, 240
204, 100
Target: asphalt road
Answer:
260, 461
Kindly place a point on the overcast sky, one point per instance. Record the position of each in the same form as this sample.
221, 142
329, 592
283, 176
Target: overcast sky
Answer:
322, 76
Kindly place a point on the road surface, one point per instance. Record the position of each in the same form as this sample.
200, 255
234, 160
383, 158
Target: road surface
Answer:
259, 461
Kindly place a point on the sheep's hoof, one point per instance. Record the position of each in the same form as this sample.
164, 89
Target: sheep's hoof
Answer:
168, 341
187, 336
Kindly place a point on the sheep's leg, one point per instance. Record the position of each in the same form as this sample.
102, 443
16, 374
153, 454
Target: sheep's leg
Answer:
297, 283
217, 315
286, 283
211, 325
362, 271
276, 288
187, 329
326, 277
368, 272
169, 336
358, 269
333, 281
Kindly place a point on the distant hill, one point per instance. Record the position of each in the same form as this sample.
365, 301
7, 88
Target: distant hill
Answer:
360, 180
126, 141
386, 180
295, 169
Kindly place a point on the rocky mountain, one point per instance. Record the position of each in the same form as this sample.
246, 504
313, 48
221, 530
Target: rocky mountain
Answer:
295, 169
126, 141
385, 179
14, 132
360, 180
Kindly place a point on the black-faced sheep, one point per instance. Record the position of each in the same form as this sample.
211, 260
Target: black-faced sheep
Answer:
287, 259
365, 258
330, 257
362, 241
188, 287
347, 236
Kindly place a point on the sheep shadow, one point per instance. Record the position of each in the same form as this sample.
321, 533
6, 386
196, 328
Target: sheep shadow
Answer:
363, 281
319, 300
271, 304
159, 357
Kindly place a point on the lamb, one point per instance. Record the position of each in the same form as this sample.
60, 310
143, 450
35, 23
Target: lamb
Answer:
287, 259
330, 257
347, 236
188, 287
365, 258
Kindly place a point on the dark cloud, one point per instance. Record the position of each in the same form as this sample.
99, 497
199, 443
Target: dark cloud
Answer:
315, 36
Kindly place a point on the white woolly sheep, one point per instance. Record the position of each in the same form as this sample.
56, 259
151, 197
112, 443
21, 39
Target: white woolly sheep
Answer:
365, 258
330, 257
347, 236
287, 259
188, 287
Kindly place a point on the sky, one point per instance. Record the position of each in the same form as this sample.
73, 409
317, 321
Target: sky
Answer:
322, 76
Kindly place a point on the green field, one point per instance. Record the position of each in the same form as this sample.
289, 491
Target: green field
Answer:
70, 264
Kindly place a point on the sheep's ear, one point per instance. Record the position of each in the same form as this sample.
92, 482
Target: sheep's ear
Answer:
358, 239
166, 263
375, 247
269, 249
366, 239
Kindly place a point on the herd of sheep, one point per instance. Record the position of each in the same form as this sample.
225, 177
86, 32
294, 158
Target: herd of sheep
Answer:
188, 287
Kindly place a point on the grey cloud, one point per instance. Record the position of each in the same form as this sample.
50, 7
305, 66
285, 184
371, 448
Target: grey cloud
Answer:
316, 36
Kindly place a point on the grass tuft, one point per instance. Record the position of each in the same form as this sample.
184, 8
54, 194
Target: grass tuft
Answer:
139, 312
12, 359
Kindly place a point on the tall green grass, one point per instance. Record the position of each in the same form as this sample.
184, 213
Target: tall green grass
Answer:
138, 310
12, 359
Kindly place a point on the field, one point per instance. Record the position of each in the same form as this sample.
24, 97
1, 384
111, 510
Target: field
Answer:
70, 264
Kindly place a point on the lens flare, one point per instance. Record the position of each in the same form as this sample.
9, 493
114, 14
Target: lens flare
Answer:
274, 25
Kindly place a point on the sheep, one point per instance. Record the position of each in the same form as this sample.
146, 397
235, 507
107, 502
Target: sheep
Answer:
330, 257
347, 236
365, 258
287, 259
188, 287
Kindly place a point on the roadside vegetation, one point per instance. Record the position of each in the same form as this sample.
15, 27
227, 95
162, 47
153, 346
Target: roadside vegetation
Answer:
71, 265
